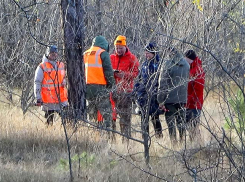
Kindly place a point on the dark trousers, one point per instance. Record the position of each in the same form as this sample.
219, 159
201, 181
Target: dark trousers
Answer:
175, 116
156, 124
49, 115
123, 103
192, 122
193, 117
100, 103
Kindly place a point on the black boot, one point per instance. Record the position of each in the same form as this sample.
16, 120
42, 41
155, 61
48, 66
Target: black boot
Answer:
49, 115
157, 126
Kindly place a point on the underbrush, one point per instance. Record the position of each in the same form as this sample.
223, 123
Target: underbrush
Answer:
31, 151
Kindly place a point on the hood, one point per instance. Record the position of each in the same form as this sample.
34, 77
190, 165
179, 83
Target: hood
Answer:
178, 58
100, 41
196, 63
44, 59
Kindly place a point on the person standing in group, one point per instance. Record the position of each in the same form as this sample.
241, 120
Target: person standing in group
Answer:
172, 92
125, 66
99, 80
114, 114
146, 88
195, 94
49, 84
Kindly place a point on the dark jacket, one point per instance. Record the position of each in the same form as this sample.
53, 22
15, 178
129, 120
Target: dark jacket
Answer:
93, 90
147, 84
173, 81
196, 85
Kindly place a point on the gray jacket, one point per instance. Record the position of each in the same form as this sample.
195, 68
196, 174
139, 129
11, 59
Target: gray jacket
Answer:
173, 81
38, 85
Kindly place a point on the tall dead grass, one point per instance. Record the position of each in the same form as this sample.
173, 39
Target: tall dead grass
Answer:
30, 151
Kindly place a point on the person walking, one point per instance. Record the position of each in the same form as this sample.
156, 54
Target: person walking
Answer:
99, 80
125, 66
146, 87
172, 92
195, 94
50, 84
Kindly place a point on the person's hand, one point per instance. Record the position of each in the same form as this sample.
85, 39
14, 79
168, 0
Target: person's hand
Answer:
162, 107
63, 85
39, 102
119, 74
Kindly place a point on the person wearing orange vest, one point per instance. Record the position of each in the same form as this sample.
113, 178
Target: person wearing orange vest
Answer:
49, 84
99, 80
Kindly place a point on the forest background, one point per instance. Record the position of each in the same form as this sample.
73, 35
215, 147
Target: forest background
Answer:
31, 152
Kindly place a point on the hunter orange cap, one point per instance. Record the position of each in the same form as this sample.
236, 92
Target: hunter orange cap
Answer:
120, 40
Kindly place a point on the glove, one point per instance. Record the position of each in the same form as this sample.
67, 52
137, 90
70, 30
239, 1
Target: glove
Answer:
162, 107
39, 102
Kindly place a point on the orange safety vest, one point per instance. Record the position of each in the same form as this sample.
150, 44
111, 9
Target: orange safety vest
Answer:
93, 66
52, 89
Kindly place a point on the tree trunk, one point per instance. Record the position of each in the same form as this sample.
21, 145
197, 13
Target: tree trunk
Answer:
98, 29
72, 16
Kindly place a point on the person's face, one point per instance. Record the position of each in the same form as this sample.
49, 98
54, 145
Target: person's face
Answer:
120, 50
188, 60
53, 56
149, 55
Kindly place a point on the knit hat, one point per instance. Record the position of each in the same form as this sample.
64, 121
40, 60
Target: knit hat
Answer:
120, 40
50, 49
190, 54
151, 47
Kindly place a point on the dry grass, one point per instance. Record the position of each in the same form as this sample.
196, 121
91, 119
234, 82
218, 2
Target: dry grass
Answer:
30, 151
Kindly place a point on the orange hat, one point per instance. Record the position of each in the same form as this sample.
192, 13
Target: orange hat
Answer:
120, 40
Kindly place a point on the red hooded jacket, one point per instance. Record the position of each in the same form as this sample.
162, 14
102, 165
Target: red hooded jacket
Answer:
196, 85
129, 65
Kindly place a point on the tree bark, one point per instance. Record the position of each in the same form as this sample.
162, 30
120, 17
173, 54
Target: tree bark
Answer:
72, 16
